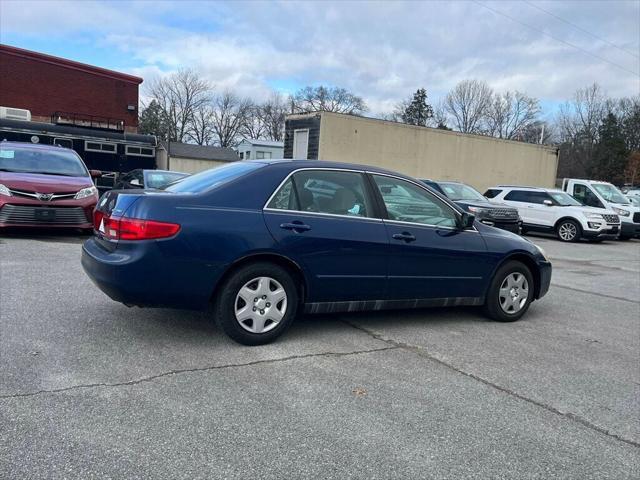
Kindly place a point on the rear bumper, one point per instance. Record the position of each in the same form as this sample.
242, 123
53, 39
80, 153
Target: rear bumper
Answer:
545, 278
144, 275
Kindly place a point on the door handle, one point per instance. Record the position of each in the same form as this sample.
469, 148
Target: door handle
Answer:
296, 226
406, 236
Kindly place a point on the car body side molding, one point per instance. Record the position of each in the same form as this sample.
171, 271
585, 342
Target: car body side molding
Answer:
366, 305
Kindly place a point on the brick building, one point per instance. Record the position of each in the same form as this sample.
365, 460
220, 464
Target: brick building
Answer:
57, 90
55, 101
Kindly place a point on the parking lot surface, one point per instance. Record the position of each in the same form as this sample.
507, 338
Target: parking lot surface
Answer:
92, 389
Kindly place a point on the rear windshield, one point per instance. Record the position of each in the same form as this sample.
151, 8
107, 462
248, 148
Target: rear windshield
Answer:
50, 161
213, 178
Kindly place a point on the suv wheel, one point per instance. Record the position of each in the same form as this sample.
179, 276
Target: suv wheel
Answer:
569, 231
256, 304
510, 293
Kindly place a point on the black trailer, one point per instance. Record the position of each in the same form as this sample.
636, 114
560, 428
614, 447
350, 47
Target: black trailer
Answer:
112, 152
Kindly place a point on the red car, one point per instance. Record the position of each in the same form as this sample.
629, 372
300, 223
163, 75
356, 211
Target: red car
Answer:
44, 185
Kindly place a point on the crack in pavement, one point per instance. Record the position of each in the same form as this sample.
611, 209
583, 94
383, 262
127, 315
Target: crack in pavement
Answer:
190, 370
613, 297
422, 352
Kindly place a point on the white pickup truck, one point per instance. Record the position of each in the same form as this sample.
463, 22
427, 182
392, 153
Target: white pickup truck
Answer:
606, 196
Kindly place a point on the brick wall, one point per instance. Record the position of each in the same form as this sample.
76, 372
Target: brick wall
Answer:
44, 85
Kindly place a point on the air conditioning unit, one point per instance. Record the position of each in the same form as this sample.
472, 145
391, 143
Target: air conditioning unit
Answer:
10, 113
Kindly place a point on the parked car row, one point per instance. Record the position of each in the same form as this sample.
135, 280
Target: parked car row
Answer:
583, 209
50, 186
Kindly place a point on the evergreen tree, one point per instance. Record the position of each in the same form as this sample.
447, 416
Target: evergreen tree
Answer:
417, 111
153, 121
611, 153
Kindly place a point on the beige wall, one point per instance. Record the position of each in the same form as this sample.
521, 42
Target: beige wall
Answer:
192, 165
429, 153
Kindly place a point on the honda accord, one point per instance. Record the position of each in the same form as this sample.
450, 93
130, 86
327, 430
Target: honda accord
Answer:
262, 241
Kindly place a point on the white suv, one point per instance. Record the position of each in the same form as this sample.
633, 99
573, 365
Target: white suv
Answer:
547, 210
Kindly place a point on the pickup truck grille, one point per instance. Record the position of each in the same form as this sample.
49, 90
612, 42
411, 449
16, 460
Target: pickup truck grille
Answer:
611, 218
504, 213
22, 214
636, 217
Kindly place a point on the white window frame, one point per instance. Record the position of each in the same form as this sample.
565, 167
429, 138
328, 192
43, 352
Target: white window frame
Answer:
127, 147
87, 149
66, 139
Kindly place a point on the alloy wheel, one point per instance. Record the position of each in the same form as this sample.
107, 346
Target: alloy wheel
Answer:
514, 293
567, 231
260, 305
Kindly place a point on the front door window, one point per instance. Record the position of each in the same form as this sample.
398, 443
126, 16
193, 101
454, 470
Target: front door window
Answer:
407, 202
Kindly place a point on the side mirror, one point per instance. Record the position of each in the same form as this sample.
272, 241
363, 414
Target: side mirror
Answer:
548, 203
95, 173
466, 220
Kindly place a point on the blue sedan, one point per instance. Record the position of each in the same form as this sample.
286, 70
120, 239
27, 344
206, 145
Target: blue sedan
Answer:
262, 241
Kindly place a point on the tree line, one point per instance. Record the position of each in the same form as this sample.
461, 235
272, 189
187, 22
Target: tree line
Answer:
598, 136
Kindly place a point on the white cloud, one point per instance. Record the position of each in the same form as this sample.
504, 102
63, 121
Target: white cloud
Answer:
382, 51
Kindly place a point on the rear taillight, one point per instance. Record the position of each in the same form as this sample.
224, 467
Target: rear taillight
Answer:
121, 228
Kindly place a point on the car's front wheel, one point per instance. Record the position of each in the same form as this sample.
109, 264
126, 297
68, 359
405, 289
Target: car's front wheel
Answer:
256, 304
510, 293
569, 231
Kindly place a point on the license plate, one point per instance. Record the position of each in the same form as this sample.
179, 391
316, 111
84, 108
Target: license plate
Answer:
45, 214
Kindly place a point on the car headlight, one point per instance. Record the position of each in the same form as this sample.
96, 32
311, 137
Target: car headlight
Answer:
478, 211
4, 190
86, 192
620, 211
542, 252
594, 216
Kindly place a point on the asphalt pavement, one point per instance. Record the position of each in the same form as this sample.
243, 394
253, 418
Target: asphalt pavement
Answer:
92, 389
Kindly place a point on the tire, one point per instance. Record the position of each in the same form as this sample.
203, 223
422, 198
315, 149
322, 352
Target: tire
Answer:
268, 309
568, 231
624, 239
498, 306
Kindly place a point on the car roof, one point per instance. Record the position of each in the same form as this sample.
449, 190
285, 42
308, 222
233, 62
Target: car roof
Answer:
295, 164
533, 189
40, 146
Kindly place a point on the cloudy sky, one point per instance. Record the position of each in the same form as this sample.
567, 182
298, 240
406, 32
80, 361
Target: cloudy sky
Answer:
382, 51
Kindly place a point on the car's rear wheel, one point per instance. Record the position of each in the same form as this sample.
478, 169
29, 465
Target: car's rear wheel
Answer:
257, 303
510, 293
569, 231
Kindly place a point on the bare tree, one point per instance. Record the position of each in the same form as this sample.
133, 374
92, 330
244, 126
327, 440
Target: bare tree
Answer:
229, 116
510, 114
179, 96
254, 125
578, 124
201, 125
327, 99
273, 113
467, 104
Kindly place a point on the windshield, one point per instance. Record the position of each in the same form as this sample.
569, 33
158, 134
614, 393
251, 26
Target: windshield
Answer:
460, 191
610, 193
53, 161
212, 178
564, 199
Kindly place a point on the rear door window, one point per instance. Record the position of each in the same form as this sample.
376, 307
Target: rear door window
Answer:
324, 191
492, 192
518, 196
